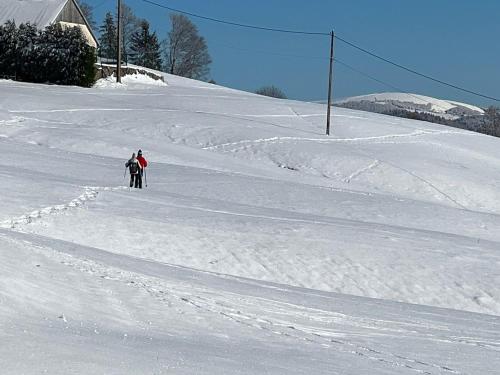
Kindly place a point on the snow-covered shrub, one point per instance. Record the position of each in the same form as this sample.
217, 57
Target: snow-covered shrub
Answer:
8, 37
53, 55
271, 91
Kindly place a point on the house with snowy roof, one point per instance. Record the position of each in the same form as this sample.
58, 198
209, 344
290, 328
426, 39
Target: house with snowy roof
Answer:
43, 13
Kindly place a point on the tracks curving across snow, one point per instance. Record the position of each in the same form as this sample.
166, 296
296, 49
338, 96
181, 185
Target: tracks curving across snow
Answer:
247, 303
357, 173
89, 194
244, 143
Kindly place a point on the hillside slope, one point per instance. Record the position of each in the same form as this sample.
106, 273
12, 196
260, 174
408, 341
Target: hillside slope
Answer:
259, 246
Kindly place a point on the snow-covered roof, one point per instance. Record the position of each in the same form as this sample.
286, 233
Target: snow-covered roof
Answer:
39, 12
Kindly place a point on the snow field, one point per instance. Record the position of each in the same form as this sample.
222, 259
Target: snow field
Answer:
256, 244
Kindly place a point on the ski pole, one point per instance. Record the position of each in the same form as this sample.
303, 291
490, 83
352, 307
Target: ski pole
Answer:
125, 173
145, 177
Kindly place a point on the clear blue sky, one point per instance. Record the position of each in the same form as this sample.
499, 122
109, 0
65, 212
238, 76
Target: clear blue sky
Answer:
453, 40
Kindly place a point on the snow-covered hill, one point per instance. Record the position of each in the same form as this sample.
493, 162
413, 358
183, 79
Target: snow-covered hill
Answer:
259, 246
390, 101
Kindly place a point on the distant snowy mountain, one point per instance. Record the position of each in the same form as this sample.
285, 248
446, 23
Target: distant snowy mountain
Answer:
394, 101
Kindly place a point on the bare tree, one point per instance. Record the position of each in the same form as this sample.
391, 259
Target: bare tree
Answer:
186, 52
492, 121
130, 24
88, 12
271, 91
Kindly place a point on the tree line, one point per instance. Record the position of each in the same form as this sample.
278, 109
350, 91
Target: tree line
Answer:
184, 52
488, 124
61, 55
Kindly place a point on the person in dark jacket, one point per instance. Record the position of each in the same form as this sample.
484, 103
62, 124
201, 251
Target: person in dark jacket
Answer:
134, 167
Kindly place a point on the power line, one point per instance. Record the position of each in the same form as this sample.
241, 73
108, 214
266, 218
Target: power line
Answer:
346, 65
415, 72
235, 23
366, 75
100, 4
400, 66
343, 63
386, 84
272, 53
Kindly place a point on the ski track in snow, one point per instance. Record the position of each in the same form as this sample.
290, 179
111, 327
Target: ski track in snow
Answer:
93, 110
295, 321
359, 172
70, 110
416, 133
431, 185
224, 305
90, 193
226, 308
421, 179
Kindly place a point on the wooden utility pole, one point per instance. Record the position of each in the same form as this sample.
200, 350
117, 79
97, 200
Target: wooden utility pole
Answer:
119, 44
332, 41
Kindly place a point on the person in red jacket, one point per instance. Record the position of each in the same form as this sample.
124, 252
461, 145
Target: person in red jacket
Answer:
143, 164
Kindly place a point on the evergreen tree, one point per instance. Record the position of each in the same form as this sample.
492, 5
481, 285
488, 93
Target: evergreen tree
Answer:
56, 55
50, 56
88, 70
145, 48
130, 24
64, 57
108, 38
27, 39
8, 49
16, 49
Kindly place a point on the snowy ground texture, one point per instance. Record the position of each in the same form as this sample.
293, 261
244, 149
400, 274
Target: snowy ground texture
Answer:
260, 246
